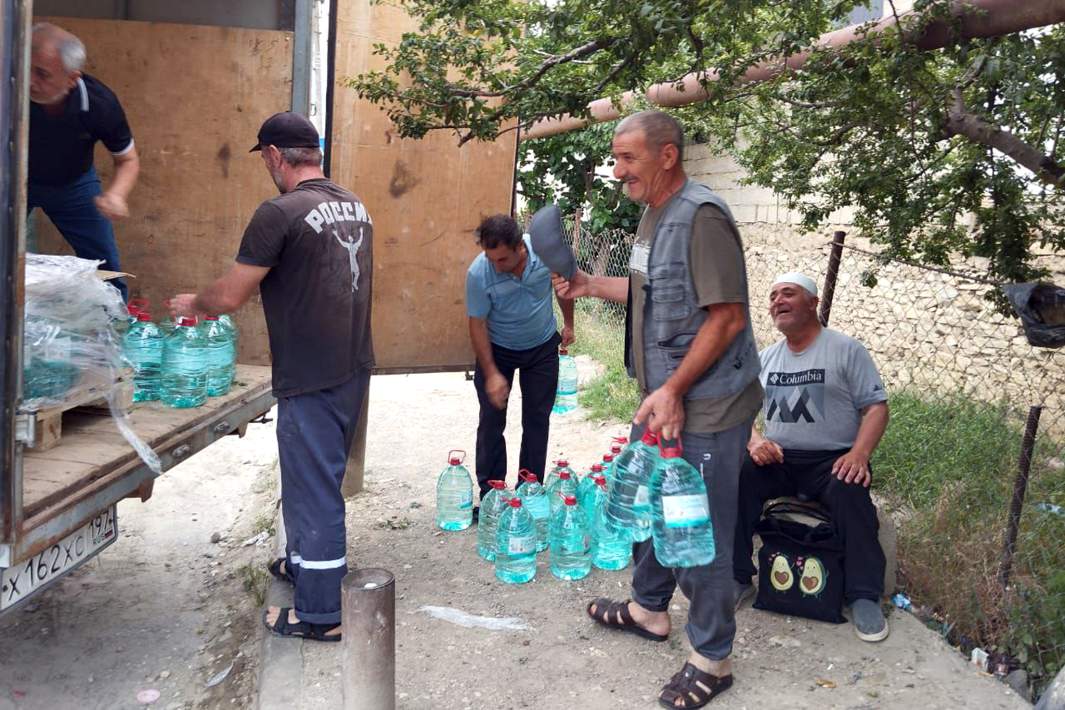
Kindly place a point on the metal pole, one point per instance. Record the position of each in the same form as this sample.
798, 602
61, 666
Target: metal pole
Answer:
1020, 487
302, 51
829, 291
368, 603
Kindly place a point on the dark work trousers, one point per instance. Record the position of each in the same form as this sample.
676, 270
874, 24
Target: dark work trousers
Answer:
711, 623
314, 435
538, 375
73, 212
808, 475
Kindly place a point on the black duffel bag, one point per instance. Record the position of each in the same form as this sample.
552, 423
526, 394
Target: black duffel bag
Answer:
800, 567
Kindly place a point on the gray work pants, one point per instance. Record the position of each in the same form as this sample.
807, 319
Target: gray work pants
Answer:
710, 588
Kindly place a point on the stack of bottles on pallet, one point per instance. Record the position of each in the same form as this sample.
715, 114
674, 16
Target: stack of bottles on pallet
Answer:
454, 494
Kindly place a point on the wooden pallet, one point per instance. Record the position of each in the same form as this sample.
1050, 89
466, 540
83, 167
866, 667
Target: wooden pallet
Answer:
48, 422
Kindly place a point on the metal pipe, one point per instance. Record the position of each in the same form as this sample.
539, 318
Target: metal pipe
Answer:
368, 603
302, 51
330, 80
829, 291
992, 18
1020, 488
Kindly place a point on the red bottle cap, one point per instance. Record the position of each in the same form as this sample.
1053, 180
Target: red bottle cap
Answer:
599, 479
498, 485
650, 438
564, 475
527, 476
143, 317
186, 321
608, 458
515, 502
133, 310
563, 351
570, 500
453, 458
562, 463
210, 317
670, 452
597, 468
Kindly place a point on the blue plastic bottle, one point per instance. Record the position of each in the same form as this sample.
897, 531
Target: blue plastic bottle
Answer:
628, 506
570, 556
143, 347
565, 485
492, 506
566, 395
454, 494
534, 498
515, 544
588, 497
552, 475
683, 533
587, 483
221, 356
184, 376
611, 548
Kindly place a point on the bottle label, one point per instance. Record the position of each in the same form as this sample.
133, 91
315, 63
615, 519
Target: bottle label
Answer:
685, 511
642, 498
521, 545
465, 500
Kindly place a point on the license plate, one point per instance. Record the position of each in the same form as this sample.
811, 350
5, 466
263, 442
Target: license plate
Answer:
25, 578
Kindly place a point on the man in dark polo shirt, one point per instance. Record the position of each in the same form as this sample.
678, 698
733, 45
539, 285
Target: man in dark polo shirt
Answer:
310, 254
69, 112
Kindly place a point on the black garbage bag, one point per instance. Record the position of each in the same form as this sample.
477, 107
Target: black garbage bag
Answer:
1041, 308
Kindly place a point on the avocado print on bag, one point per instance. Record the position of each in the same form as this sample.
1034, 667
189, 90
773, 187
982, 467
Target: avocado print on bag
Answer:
800, 566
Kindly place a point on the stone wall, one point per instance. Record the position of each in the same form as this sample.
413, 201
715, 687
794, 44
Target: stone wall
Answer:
929, 331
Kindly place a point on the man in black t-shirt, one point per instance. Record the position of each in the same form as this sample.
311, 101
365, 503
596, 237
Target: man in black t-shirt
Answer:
310, 253
69, 112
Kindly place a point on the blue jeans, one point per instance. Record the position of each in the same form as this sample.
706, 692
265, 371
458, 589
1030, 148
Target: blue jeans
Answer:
73, 211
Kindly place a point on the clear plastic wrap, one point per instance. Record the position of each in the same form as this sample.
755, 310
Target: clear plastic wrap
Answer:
70, 341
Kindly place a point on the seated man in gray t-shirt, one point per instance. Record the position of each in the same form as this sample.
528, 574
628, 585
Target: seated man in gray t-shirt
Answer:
825, 412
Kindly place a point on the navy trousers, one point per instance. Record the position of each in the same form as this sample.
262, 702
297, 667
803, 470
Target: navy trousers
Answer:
314, 435
73, 212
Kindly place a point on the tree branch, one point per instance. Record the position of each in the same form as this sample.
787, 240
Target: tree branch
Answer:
583, 51
962, 122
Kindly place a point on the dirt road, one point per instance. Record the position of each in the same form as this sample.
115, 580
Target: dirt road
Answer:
164, 608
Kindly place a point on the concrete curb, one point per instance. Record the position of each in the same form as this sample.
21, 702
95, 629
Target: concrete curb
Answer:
281, 661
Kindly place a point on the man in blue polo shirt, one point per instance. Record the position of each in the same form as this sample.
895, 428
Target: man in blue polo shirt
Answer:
69, 112
512, 327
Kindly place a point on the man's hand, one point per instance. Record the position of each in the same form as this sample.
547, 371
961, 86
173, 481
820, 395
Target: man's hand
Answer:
112, 206
765, 451
183, 304
853, 467
577, 287
497, 389
567, 336
663, 410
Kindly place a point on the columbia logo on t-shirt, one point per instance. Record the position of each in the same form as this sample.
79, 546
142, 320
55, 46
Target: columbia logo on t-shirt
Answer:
793, 397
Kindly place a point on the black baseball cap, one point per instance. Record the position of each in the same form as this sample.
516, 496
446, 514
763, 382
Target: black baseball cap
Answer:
287, 130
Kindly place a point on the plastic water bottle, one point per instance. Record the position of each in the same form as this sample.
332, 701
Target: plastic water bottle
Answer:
143, 347
565, 485
588, 497
454, 494
628, 504
570, 555
552, 475
515, 544
534, 498
566, 396
611, 548
683, 533
617, 445
184, 377
230, 326
587, 483
221, 356
492, 506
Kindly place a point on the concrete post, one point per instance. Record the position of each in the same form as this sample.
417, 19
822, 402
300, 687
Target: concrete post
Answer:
368, 603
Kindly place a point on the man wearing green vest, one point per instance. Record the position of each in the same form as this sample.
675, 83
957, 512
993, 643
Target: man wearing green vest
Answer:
690, 346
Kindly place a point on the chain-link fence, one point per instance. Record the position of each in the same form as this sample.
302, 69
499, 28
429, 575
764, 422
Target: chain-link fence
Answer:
979, 539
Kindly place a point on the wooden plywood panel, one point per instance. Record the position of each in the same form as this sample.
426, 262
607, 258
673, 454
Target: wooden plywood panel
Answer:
426, 198
195, 97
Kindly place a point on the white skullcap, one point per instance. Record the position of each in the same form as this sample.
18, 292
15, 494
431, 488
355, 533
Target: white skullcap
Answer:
794, 277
